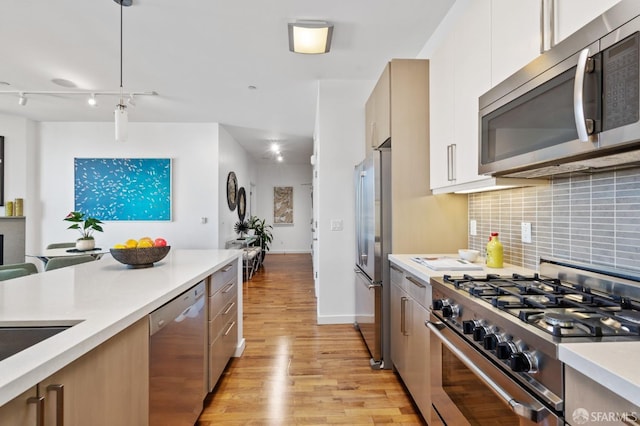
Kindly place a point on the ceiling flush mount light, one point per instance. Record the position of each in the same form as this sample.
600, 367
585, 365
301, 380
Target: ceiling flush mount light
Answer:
310, 37
92, 101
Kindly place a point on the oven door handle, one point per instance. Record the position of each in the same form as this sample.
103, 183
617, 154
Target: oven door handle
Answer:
523, 410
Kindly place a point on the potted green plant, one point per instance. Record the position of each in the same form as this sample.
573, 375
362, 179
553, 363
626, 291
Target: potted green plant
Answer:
86, 225
264, 234
241, 227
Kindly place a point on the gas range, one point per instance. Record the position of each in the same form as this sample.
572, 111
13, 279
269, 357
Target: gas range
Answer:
517, 322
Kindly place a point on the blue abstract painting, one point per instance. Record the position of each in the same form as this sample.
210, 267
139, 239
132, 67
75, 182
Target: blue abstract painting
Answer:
123, 188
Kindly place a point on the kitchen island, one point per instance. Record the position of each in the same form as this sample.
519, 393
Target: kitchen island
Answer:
98, 300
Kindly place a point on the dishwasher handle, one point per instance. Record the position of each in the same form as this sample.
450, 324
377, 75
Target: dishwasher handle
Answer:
179, 306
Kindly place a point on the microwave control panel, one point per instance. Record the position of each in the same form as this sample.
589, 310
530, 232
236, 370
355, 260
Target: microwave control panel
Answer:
621, 83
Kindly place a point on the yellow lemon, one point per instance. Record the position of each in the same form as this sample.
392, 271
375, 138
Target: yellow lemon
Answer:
145, 239
131, 243
145, 244
119, 246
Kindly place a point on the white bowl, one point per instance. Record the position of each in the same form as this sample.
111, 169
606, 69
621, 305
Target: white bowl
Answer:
468, 254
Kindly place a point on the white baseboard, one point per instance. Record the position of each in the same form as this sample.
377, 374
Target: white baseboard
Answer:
289, 252
336, 319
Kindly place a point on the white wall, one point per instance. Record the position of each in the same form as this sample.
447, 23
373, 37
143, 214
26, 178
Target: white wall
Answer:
232, 158
294, 238
193, 148
21, 170
340, 146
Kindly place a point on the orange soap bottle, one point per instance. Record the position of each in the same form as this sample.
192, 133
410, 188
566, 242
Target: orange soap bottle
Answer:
494, 252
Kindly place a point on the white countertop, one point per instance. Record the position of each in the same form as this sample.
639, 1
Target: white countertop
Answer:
421, 271
105, 296
612, 364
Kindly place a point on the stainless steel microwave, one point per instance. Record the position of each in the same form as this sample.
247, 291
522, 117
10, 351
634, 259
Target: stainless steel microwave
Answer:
575, 107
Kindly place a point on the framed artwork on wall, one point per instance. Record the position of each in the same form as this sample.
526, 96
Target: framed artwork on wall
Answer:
242, 204
123, 189
232, 190
283, 205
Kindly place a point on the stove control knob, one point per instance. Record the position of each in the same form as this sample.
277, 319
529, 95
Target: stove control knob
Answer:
491, 340
505, 349
450, 311
469, 325
523, 362
480, 331
438, 304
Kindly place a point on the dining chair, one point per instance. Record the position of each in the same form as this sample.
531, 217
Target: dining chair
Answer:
61, 262
7, 274
29, 267
60, 245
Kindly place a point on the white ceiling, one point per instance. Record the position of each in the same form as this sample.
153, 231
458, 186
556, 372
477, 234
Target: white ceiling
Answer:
201, 56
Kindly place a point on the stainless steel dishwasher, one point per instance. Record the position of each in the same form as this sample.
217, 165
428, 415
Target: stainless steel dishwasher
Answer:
177, 361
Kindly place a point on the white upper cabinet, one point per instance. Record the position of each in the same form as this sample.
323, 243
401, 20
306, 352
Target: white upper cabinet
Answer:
515, 36
460, 73
571, 15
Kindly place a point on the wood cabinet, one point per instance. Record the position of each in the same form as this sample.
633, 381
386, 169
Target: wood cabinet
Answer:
410, 299
223, 319
421, 222
107, 386
377, 111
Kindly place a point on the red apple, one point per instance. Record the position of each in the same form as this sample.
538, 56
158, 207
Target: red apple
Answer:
160, 242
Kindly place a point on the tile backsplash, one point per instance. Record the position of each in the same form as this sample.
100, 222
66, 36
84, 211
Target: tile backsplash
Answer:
588, 218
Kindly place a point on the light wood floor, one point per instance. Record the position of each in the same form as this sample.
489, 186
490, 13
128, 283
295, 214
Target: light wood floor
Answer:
295, 372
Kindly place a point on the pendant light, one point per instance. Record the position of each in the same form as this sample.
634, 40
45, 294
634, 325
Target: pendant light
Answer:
121, 114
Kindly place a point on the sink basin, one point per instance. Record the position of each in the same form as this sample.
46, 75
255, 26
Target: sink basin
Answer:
18, 338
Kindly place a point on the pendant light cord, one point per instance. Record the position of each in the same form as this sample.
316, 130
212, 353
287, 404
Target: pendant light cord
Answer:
121, 87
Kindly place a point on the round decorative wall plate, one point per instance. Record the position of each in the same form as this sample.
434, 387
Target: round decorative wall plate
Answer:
242, 204
232, 190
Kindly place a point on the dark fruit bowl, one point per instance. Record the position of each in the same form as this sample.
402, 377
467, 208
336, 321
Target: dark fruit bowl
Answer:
137, 258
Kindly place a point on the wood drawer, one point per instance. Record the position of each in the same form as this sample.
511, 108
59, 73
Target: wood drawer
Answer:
223, 276
418, 289
221, 299
221, 350
225, 317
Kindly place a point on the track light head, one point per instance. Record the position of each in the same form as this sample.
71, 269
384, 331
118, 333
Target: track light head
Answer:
22, 100
92, 101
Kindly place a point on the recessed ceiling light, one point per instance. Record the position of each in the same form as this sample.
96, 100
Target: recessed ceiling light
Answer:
63, 82
275, 148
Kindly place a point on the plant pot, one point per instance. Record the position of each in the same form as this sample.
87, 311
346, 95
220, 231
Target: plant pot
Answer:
84, 245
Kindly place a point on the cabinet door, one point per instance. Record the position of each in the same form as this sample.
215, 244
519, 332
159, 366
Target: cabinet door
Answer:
381, 129
441, 113
399, 302
472, 78
417, 369
107, 386
18, 411
571, 15
515, 36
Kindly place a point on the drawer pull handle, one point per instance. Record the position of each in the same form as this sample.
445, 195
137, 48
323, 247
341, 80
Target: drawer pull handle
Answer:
395, 268
228, 287
39, 401
233, 324
227, 268
416, 282
59, 390
231, 305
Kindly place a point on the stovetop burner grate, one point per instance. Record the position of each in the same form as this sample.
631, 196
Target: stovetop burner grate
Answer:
530, 298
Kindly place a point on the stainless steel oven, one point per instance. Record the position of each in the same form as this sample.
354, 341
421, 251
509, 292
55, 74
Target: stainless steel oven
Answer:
468, 389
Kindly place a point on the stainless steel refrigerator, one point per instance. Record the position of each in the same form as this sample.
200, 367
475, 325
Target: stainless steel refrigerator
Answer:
373, 245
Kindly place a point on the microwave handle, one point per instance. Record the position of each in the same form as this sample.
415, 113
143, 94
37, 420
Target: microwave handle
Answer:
519, 408
578, 90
